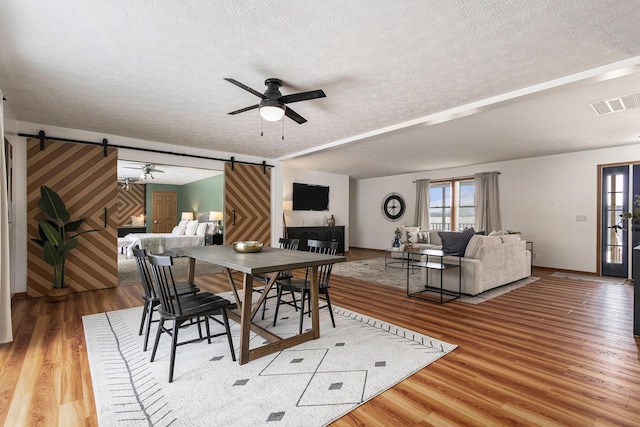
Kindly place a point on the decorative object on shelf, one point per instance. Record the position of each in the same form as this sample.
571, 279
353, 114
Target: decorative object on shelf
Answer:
216, 217
249, 246
331, 221
393, 206
55, 239
396, 240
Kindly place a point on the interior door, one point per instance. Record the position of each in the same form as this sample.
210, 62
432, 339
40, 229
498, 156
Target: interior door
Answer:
165, 211
247, 203
615, 241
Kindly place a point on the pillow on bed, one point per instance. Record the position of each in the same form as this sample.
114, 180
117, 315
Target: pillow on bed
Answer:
202, 228
192, 226
137, 220
177, 230
183, 223
211, 228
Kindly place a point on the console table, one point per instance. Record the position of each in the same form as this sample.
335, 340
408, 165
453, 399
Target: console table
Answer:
326, 234
435, 261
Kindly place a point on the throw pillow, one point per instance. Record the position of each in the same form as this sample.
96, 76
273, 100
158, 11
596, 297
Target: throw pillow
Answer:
137, 221
202, 228
406, 234
211, 228
192, 226
177, 230
455, 241
183, 223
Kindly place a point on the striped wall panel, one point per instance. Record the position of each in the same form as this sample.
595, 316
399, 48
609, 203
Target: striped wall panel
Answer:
87, 183
130, 202
247, 191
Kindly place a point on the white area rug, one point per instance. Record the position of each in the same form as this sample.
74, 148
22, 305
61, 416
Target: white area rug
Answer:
311, 384
603, 279
372, 270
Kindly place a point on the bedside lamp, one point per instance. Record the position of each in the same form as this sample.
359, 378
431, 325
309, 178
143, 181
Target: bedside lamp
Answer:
187, 215
216, 217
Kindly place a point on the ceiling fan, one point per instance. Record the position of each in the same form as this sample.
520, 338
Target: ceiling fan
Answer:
147, 170
273, 104
126, 183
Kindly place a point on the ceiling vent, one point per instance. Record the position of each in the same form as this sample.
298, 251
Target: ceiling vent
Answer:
615, 105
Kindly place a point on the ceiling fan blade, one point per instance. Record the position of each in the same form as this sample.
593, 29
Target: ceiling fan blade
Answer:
294, 116
242, 110
302, 96
245, 87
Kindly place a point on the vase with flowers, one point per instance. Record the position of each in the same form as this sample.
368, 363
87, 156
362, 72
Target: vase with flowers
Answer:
396, 240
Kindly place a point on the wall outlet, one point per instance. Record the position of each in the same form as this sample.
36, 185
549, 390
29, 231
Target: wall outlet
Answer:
534, 255
581, 218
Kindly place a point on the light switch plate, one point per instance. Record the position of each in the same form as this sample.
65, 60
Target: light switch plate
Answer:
581, 218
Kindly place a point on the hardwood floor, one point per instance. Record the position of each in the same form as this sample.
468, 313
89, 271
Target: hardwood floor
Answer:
555, 352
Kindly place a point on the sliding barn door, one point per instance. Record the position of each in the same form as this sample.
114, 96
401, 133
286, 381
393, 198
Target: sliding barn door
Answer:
247, 203
87, 183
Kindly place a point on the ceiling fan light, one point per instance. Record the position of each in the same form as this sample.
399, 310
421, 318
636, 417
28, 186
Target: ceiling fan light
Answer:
272, 113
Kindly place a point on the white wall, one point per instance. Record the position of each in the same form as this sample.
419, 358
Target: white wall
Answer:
338, 199
18, 255
539, 197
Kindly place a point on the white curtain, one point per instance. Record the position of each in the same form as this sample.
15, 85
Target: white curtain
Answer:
6, 334
422, 204
487, 202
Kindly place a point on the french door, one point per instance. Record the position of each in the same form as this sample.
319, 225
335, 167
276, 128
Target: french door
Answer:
617, 188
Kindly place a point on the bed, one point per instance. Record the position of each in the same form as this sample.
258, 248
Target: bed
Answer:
192, 233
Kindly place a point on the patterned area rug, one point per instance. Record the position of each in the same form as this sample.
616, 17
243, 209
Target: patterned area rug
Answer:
373, 270
311, 384
128, 271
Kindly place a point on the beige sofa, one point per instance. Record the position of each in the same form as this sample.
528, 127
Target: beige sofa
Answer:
488, 262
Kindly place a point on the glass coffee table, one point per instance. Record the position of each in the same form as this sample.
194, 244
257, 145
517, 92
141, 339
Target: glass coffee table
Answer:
405, 257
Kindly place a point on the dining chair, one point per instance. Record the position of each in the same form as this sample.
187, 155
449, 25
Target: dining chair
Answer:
183, 308
291, 244
304, 286
149, 295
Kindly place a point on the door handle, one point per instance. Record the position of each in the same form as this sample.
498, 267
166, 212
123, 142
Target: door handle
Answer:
155, 222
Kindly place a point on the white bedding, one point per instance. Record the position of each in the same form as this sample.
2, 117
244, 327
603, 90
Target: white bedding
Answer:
160, 242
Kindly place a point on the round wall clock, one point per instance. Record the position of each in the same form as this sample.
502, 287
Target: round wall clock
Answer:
393, 206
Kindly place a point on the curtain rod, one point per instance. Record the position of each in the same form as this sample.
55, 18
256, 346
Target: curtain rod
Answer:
41, 136
457, 178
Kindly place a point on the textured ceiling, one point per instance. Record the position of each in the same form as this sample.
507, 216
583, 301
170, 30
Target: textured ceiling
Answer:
154, 70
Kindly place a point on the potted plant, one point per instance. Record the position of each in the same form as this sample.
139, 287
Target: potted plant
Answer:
56, 239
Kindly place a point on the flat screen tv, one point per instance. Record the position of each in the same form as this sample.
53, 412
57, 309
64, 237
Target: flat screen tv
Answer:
310, 197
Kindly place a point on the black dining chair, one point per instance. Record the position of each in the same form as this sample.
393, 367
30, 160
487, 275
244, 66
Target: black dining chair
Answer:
304, 286
291, 244
149, 295
182, 308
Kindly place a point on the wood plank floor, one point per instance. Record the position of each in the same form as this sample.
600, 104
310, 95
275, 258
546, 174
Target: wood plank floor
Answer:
555, 352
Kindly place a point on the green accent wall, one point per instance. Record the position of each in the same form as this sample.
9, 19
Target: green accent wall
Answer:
198, 197
203, 196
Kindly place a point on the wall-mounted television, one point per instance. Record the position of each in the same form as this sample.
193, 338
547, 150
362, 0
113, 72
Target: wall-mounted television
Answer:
310, 197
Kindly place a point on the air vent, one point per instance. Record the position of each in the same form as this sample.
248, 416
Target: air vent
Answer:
615, 105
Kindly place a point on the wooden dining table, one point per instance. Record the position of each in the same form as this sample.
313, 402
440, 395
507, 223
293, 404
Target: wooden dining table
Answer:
249, 264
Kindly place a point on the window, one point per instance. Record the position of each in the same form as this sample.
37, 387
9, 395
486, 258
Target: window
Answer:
451, 205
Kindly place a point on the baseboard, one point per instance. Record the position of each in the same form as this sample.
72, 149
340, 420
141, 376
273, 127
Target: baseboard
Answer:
17, 296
